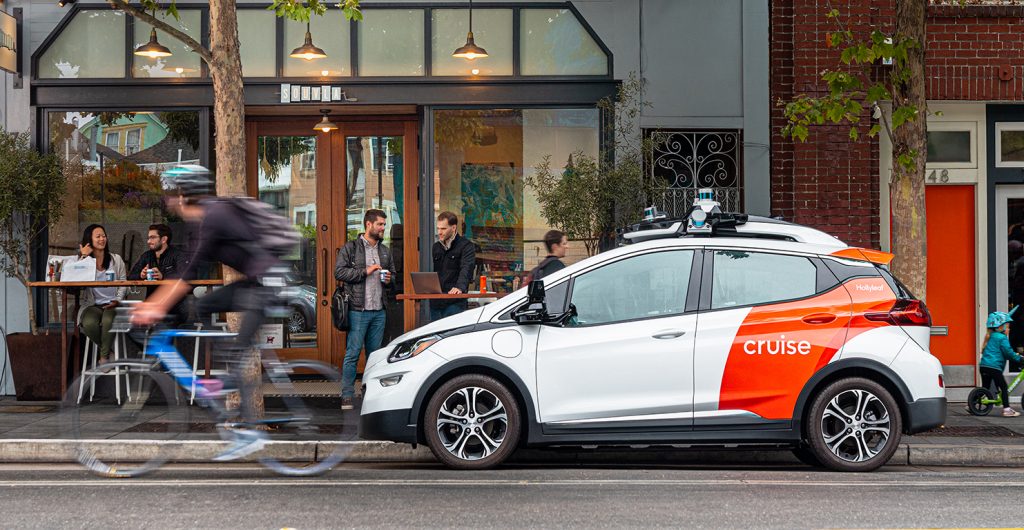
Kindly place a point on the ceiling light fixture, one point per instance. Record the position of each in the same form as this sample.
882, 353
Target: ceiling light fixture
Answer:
470, 51
325, 124
153, 49
308, 51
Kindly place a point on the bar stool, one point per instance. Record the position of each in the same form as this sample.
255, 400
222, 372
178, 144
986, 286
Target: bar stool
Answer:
89, 361
195, 357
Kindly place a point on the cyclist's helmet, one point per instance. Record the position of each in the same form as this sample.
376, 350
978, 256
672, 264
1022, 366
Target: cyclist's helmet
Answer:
998, 318
189, 180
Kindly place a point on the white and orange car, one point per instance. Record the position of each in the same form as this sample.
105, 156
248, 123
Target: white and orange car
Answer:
715, 329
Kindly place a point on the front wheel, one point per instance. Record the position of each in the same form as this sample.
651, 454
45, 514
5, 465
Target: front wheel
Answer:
979, 401
472, 422
854, 425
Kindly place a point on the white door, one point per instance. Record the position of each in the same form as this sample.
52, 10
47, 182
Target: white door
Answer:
1009, 262
628, 355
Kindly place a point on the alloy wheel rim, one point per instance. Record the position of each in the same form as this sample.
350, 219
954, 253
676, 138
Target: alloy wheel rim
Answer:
472, 423
296, 322
855, 425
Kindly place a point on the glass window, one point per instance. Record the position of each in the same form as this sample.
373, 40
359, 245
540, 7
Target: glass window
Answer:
646, 286
949, 146
120, 191
330, 33
481, 158
256, 39
749, 278
184, 63
492, 31
1010, 144
554, 42
92, 45
391, 42
132, 141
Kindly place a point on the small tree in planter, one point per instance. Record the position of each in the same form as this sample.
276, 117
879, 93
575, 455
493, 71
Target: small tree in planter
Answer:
32, 187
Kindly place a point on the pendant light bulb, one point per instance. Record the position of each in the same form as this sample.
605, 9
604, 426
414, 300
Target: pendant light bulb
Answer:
153, 48
308, 51
470, 50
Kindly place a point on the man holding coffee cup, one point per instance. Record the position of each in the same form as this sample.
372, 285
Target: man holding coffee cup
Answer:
367, 267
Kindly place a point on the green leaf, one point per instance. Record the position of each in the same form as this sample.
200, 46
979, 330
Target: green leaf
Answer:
874, 130
854, 135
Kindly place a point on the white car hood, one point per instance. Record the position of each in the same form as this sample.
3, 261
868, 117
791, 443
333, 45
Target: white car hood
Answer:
465, 318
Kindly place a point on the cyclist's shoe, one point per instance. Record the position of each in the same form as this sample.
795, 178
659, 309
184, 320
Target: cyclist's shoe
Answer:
347, 403
1010, 413
246, 443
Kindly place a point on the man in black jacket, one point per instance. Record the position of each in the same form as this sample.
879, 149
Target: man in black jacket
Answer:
367, 267
166, 263
454, 261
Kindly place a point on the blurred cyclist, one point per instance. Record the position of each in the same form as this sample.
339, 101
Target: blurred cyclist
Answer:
228, 236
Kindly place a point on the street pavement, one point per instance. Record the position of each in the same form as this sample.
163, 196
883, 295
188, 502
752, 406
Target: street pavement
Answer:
534, 496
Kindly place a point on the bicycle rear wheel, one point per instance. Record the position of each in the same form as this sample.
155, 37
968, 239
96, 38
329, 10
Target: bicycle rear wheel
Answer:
125, 439
303, 413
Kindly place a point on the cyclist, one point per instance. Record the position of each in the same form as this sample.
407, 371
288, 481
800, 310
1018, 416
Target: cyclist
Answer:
227, 236
994, 355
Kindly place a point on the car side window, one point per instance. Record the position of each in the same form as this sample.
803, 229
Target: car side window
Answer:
645, 286
743, 278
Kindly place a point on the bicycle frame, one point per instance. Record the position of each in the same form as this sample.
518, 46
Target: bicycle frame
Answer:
161, 346
998, 400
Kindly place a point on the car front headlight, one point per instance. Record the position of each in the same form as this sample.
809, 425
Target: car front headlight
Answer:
412, 348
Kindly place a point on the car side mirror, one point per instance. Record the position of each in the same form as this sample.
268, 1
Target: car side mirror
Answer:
562, 319
534, 311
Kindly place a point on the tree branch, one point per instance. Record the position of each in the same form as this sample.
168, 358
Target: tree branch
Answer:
165, 27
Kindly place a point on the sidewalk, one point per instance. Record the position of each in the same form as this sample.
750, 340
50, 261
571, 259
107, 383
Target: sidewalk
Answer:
30, 432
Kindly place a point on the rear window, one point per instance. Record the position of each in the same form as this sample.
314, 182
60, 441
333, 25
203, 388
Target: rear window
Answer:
897, 286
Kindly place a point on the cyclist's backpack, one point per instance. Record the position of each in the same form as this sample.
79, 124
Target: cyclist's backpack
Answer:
274, 233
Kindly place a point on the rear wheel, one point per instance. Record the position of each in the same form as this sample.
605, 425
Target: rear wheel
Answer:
472, 422
854, 425
301, 402
151, 409
976, 401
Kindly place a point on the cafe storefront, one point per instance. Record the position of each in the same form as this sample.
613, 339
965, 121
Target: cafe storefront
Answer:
413, 131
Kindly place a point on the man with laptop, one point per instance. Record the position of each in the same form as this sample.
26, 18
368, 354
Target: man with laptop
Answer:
366, 266
454, 261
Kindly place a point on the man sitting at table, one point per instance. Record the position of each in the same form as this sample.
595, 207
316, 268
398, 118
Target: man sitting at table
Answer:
165, 262
454, 259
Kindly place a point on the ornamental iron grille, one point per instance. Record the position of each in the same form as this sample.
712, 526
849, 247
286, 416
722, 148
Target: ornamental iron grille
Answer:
684, 162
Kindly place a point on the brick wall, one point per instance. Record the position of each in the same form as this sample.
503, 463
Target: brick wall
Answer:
831, 182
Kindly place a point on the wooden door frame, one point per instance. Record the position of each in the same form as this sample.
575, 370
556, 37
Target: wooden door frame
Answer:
331, 168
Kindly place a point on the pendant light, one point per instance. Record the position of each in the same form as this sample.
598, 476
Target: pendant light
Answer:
153, 49
470, 51
325, 125
308, 51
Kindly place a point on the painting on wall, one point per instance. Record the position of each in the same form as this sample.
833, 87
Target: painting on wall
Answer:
492, 195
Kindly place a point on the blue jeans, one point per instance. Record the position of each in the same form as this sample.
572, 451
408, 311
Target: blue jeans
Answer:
365, 328
437, 313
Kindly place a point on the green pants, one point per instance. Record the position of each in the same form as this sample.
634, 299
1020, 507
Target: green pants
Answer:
96, 323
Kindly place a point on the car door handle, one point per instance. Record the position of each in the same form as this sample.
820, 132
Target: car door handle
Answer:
819, 318
669, 334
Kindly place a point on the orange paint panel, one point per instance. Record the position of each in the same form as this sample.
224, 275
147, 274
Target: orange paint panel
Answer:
952, 274
865, 254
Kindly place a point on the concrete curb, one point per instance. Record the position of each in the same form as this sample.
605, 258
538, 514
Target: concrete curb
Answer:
193, 451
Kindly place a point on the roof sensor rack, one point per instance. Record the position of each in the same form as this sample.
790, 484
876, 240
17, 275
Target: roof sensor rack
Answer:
705, 218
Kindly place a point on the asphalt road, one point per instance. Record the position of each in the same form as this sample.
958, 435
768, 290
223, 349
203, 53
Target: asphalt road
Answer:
51, 496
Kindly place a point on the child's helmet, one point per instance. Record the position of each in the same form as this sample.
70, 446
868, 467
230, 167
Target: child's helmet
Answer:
998, 318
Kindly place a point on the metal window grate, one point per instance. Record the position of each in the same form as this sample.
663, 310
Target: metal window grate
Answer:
686, 161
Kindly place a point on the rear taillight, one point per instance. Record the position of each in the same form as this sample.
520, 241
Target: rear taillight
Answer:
941, 384
904, 313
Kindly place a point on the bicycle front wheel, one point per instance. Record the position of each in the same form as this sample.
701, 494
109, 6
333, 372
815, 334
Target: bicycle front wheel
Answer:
122, 416
303, 418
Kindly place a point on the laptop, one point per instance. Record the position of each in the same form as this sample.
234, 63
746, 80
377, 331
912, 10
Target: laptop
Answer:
426, 283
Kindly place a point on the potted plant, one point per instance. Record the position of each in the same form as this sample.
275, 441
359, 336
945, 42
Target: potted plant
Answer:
32, 189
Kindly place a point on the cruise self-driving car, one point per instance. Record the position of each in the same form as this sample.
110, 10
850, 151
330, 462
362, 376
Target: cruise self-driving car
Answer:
716, 328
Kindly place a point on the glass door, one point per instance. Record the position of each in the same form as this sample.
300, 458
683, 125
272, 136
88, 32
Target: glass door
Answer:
1009, 231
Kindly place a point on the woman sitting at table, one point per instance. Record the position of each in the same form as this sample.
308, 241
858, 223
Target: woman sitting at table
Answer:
97, 313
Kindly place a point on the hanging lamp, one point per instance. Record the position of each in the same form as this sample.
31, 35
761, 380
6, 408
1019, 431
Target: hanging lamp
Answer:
308, 51
153, 49
470, 51
325, 125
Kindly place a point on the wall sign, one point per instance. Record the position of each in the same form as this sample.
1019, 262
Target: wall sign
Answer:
313, 94
8, 43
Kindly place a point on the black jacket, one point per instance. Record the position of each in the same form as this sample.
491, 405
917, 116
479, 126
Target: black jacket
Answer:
172, 263
350, 267
547, 266
454, 267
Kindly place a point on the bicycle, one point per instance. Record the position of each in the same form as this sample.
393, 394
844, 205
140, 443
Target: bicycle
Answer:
157, 410
981, 400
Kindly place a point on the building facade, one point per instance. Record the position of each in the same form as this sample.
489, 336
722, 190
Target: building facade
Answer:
418, 131
975, 87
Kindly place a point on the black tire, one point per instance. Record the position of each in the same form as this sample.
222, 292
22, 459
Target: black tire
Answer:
155, 410
463, 438
974, 401
297, 414
854, 424
806, 456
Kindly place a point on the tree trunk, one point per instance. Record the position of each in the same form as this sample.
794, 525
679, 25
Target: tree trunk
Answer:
907, 188
229, 142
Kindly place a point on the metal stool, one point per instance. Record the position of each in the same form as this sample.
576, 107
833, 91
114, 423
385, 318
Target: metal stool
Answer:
90, 354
